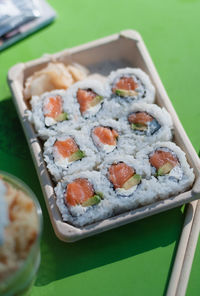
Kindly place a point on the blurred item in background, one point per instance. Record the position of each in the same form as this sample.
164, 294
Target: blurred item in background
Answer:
19, 18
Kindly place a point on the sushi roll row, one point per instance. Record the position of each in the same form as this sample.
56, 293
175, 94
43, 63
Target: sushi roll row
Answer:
89, 99
107, 146
85, 149
123, 183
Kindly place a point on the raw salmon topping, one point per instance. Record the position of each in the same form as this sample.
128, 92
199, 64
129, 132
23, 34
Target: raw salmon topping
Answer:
66, 148
159, 158
79, 191
85, 97
106, 135
126, 83
120, 173
140, 117
54, 107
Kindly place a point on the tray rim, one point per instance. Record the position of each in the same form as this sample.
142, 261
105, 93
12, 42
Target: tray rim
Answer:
63, 230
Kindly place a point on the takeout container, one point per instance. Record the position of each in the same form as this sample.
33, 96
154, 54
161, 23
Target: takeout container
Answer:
21, 280
101, 56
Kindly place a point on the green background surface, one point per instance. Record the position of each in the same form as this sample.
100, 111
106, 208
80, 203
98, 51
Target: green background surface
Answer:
135, 259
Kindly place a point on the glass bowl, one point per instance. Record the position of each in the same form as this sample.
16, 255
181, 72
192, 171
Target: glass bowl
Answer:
21, 281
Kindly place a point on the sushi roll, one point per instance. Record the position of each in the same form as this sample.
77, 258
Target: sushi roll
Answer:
130, 85
67, 154
127, 181
83, 198
51, 111
147, 123
106, 136
169, 171
88, 96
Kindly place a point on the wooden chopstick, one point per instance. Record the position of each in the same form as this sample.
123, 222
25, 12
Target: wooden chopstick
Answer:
185, 253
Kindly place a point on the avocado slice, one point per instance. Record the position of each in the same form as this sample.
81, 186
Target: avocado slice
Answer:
165, 169
139, 126
125, 93
76, 155
96, 101
95, 199
133, 181
100, 194
62, 116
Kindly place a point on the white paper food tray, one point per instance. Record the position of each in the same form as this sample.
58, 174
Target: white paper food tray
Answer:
101, 56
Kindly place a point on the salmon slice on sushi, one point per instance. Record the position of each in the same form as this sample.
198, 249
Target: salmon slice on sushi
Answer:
125, 86
89, 101
66, 151
53, 110
143, 123
123, 178
164, 160
105, 138
81, 192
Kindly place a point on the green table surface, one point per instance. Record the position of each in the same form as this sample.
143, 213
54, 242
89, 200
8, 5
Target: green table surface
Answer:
135, 259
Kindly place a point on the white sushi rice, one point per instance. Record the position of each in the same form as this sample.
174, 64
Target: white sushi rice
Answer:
96, 86
180, 178
46, 126
122, 199
4, 219
145, 89
163, 118
79, 215
112, 109
127, 145
60, 166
